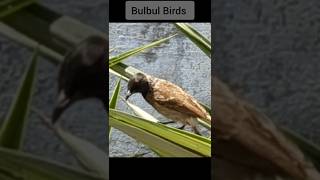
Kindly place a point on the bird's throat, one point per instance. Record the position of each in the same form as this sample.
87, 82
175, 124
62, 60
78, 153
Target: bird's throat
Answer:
144, 89
144, 94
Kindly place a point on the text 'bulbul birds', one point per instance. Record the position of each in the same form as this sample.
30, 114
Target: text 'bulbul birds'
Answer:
158, 10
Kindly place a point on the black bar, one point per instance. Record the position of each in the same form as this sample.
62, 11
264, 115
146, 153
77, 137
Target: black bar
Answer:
160, 168
117, 12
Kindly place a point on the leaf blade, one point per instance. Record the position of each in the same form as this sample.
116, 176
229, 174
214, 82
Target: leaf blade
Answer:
141, 113
11, 6
119, 58
113, 100
202, 42
12, 130
155, 135
19, 164
115, 95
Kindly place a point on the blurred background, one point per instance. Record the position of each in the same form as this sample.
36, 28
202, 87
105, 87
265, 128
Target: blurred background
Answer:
178, 61
86, 119
268, 53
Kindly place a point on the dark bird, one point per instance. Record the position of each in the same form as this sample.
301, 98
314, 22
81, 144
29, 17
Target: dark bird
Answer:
83, 74
168, 99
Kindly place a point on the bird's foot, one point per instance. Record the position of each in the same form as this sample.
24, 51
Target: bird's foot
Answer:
195, 130
167, 122
181, 127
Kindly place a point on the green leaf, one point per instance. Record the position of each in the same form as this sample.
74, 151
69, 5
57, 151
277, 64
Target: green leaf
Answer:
19, 165
8, 7
12, 130
123, 70
119, 58
114, 100
202, 42
115, 95
143, 114
117, 74
164, 140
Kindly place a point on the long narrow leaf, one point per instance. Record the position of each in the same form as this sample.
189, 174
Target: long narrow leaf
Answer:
20, 165
123, 70
202, 42
119, 58
141, 113
11, 134
117, 74
113, 100
8, 7
115, 95
167, 141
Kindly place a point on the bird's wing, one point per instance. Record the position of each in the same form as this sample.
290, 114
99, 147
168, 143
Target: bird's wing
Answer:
173, 97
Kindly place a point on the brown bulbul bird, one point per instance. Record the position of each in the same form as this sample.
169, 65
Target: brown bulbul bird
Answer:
168, 99
83, 74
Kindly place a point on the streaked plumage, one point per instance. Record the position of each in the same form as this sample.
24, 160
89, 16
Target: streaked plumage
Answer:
168, 99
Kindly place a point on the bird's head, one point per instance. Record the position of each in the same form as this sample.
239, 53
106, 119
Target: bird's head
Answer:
82, 74
138, 84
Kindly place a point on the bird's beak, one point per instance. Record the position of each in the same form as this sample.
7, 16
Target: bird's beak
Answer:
63, 103
128, 95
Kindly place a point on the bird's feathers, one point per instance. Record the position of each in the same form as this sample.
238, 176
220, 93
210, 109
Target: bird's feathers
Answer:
166, 96
82, 74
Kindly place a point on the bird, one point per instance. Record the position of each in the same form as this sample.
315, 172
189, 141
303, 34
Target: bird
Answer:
168, 99
83, 74
249, 144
